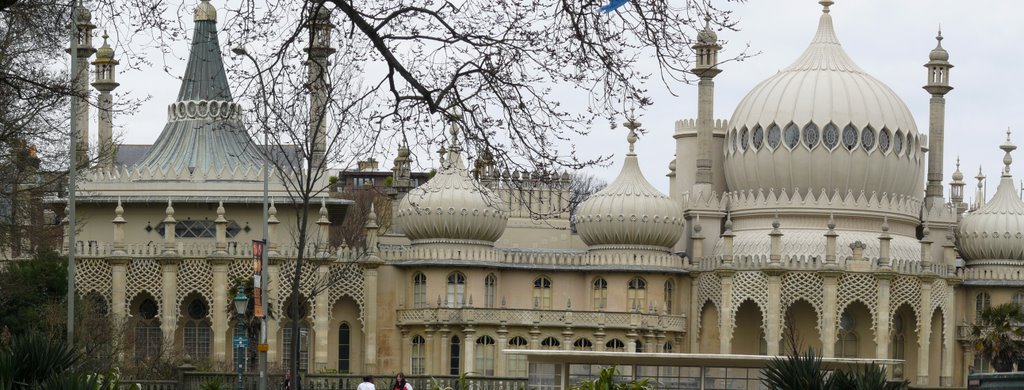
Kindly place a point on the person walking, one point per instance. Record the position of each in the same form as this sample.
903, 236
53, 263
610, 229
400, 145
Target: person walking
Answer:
400, 383
367, 384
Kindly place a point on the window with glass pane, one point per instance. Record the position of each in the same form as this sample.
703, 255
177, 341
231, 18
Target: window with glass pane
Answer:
615, 345
200, 229
456, 289
636, 294
148, 338
517, 363
419, 290
774, 136
485, 355
830, 135
667, 347
884, 140
791, 135
982, 302
1018, 299
419, 355
811, 135
490, 290
344, 347
758, 136
744, 138
600, 294
846, 340
897, 142
542, 292
454, 350
867, 138
849, 137
303, 345
669, 292
196, 335
550, 343
582, 344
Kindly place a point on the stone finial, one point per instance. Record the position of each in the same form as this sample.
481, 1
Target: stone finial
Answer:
371, 218
825, 4
831, 222
220, 213
170, 212
885, 224
323, 213
272, 213
1007, 147
632, 124
119, 212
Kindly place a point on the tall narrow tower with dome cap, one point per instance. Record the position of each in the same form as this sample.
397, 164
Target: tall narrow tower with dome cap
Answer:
938, 86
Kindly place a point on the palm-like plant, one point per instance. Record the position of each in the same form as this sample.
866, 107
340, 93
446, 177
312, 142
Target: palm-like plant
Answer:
998, 335
802, 372
606, 381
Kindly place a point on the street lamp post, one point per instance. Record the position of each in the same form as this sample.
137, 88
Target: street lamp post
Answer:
240, 342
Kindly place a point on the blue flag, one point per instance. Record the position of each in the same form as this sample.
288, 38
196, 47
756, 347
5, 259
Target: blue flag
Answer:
612, 5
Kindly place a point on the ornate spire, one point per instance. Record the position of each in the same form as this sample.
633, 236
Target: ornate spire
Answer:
825, 4
1007, 159
631, 124
205, 12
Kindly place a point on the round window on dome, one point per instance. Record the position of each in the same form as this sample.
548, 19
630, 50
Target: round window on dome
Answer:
867, 138
744, 140
774, 136
830, 136
792, 135
758, 137
884, 140
850, 137
897, 143
733, 141
811, 135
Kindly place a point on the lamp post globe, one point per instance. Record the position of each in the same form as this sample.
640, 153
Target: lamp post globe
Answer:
241, 303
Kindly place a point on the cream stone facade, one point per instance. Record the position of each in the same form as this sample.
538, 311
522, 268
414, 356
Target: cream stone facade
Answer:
815, 211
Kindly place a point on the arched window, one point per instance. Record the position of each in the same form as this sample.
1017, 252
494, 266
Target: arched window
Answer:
867, 138
600, 294
296, 314
517, 363
667, 347
744, 138
542, 293
344, 347
197, 330
897, 143
758, 137
147, 336
846, 340
774, 136
830, 135
582, 344
419, 290
884, 140
735, 140
453, 363
849, 137
1018, 299
670, 290
615, 345
490, 290
485, 355
899, 347
456, 289
550, 343
982, 302
811, 135
419, 355
636, 294
791, 135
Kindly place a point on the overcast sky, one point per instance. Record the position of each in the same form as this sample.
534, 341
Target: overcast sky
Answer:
888, 39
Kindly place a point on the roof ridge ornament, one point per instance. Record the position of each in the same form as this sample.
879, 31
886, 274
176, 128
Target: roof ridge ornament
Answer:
825, 4
1007, 147
631, 124
205, 12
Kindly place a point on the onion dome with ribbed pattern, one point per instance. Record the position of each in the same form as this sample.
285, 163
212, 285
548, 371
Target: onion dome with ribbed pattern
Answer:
452, 207
823, 123
994, 233
630, 213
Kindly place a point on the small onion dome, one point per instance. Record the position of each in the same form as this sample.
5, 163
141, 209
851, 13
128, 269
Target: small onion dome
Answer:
205, 12
957, 175
938, 53
707, 36
452, 208
630, 213
83, 15
105, 53
995, 231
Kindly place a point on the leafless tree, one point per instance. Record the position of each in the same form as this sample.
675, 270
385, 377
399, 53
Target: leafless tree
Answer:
581, 186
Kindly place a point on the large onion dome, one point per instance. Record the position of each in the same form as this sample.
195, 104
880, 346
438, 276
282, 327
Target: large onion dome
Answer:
824, 124
994, 233
630, 213
452, 207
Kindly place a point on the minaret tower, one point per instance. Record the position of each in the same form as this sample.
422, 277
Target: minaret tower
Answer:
402, 171
706, 69
80, 80
320, 27
979, 194
938, 85
106, 72
956, 190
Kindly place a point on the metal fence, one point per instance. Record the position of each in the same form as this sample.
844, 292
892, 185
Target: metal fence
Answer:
197, 380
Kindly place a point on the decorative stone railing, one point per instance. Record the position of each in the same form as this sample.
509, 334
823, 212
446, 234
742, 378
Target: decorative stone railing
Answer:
814, 263
533, 258
542, 318
234, 249
1008, 275
204, 110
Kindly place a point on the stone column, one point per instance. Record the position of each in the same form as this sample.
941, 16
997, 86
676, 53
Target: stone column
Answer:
830, 290
430, 352
274, 354
370, 313
948, 336
882, 326
725, 313
774, 312
924, 332
468, 347
695, 314
404, 359
168, 299
321, 319
219, 308
443, 341
500, 365
968, 360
